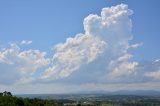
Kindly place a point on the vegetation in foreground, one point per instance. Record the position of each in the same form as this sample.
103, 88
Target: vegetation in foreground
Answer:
6, 99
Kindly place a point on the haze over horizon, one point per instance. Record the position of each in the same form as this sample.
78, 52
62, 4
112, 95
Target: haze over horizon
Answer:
72, 46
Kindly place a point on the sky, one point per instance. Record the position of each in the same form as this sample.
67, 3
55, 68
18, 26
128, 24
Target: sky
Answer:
101, 45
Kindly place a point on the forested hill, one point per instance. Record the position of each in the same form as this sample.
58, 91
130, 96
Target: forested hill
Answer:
6, 99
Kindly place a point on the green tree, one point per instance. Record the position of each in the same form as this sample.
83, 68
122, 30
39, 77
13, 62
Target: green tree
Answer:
9, 94
1, 94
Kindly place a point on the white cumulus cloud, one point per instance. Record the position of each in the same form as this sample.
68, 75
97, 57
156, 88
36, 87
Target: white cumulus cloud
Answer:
69, 56
16, 64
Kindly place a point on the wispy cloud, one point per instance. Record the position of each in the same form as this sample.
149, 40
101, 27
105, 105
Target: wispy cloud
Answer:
136, 45
26, 42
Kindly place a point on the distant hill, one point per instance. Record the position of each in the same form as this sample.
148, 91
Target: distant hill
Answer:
125, 92
93, 94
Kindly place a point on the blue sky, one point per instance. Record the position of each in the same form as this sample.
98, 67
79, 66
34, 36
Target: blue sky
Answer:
53, 21
33, 34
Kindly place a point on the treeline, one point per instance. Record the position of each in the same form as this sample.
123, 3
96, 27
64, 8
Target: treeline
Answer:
6, 99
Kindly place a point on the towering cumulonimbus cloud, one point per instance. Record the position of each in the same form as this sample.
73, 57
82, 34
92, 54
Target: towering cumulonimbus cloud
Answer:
106, 35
